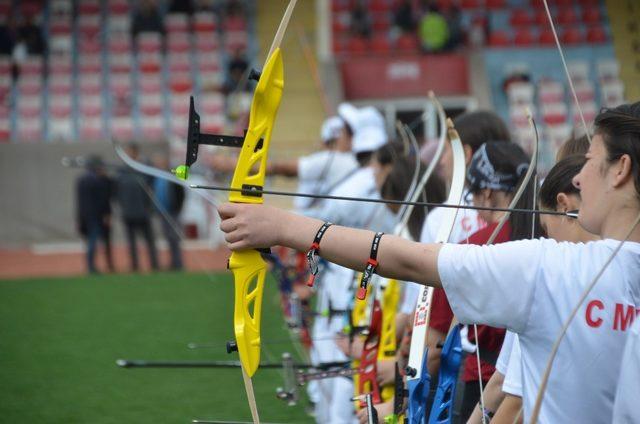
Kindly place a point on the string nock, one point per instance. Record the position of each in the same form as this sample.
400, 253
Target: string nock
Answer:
181, 172
232, 347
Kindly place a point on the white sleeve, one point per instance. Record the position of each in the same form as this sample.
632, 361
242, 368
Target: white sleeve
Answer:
513, 376
505, 352
411, 293
492, 285
310, 167
625, 407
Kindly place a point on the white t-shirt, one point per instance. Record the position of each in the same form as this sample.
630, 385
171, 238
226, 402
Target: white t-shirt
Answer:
513, 377
320, 171
467, 222
505, 352
530, 287
625, 408
374, 216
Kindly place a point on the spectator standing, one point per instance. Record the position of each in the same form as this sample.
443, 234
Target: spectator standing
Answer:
403, 17
31, 34
133, 194
147, 18
433, 30
93, 210
170, 198
361, 20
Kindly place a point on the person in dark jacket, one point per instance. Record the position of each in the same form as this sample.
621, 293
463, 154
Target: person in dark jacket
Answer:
133, 194
93, 210
169, 201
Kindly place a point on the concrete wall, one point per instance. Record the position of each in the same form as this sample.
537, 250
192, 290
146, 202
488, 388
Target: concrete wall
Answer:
37, 193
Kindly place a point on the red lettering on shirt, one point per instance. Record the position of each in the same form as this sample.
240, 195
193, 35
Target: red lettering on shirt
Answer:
589, 314
623, 319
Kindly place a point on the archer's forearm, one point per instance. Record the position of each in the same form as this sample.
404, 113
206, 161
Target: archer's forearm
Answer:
397, 257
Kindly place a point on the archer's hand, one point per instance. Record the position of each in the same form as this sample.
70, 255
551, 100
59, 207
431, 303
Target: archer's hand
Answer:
386, 371
251, 226
383, 409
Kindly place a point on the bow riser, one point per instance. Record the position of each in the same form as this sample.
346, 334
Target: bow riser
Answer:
387, 349
441, 412
367, 380
264, 107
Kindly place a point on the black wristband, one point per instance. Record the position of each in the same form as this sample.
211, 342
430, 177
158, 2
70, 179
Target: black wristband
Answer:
370, 267
313, 252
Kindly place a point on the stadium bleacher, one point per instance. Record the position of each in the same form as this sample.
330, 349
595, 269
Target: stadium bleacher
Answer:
97, 80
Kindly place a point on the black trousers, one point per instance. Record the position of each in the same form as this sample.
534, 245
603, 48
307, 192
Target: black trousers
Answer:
142, 226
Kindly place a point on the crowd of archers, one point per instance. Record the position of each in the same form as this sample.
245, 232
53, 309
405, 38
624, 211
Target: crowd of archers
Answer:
520, 290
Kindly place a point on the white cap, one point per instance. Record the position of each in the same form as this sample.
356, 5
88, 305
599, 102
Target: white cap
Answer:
331, 128
349, 113
370, 133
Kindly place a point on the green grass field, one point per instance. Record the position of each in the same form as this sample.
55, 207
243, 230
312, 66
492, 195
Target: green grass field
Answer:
59, 339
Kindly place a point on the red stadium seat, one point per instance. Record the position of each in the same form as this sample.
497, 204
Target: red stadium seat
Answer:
150, 84
204, 22
60, 106
118, 7
523, 37
381, 22
87, 7
60, 85
179, 63
177, 22
90, 106
540, 18
499, 39
181, 84
470, 4
546, 38
340, 5
495, 4
357, 45
235, 23
572, 36
384, 6
380, 44
566, 16
520, 17
408, 43
591, 15
596, 35
179, 42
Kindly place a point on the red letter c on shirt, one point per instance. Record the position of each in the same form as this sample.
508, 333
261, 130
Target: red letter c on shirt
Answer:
590, 321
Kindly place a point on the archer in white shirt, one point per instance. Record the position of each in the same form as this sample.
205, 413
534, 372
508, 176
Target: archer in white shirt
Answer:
527, 286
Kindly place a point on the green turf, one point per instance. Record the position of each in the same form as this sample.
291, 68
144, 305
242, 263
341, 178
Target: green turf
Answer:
59, 339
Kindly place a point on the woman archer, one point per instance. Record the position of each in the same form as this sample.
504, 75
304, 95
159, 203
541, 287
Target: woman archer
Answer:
526, 286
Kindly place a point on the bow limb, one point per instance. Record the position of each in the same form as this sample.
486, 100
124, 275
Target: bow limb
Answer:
566, 69
432, 165
158, 173
418, 379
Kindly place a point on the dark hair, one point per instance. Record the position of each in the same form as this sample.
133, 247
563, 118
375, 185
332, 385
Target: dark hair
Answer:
507, 159
397, 183
620, 131
387, 154
573, 146
476, 128
560, 180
